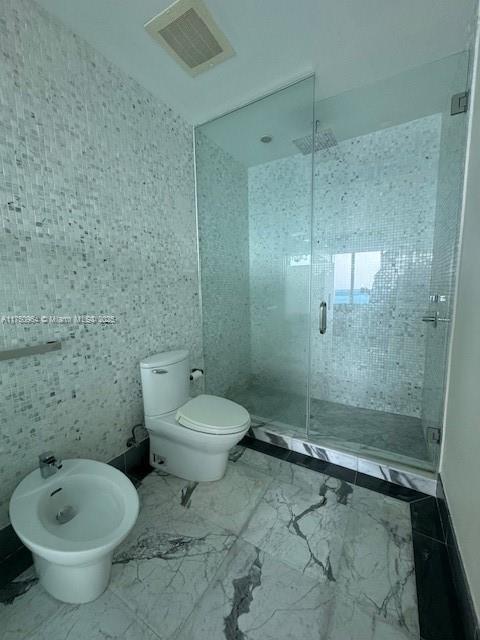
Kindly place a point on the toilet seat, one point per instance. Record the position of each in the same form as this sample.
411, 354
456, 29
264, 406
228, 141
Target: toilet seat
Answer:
212, 414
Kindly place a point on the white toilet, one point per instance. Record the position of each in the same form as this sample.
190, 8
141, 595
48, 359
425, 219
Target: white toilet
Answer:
189, 438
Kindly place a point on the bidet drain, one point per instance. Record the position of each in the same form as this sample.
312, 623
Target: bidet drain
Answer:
66, 514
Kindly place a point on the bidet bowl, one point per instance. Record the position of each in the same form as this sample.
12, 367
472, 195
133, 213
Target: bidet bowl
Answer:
72, 522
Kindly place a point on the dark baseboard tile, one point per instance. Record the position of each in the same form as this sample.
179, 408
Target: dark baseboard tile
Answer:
444, 512
137, 461
445, 606
9, 542
264, 447
439, 612
18, 562
426, 519
406, 494
134, 462
471, 624
15, 558
118, 462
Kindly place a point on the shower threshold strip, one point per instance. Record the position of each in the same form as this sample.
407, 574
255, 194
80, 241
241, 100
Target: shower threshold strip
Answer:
423, 481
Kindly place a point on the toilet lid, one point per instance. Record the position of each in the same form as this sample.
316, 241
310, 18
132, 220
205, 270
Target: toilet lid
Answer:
212, 414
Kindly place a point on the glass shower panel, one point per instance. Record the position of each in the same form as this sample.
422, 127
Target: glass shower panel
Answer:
254, 200
440, 302
388, 168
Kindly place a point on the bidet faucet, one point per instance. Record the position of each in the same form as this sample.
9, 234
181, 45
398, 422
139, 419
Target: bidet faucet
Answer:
48, 464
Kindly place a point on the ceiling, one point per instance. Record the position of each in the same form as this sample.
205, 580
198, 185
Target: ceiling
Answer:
347, 43
287, 115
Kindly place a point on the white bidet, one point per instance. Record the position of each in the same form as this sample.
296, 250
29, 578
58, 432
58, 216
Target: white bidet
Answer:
72, 522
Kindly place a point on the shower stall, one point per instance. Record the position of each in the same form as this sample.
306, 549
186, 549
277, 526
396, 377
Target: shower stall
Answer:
328, 233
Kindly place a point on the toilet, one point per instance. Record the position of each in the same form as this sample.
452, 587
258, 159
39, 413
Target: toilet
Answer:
189, 437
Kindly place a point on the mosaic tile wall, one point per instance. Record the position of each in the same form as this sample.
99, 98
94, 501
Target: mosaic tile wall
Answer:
223, 238
375, 193
97, 217
279, 198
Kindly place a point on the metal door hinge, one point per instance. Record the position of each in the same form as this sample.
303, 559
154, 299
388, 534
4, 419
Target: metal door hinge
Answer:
434, 434
459, 103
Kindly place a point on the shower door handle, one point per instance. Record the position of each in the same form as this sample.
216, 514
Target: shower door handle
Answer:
435, 319
322, 317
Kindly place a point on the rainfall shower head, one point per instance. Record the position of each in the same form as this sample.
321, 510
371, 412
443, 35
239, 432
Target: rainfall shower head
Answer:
324, 139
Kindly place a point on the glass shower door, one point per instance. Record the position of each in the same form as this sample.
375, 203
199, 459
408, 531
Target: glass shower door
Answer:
387, 195
254, 199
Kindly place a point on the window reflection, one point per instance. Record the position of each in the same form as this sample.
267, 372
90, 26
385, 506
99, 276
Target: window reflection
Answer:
354, 276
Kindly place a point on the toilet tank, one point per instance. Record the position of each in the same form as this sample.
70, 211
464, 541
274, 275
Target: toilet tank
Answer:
165, 382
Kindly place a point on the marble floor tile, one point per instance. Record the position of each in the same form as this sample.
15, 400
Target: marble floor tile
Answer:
24, 607
256, 597
104, 618
376, 571
315, 558
228, 502
305, 529
270, 465
166, 564
295, 474
350, 622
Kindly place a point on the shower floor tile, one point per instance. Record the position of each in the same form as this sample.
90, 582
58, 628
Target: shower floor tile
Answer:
351, 427
271, 551
390, 432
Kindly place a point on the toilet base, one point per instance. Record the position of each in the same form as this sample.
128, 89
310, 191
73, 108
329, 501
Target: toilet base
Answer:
75, 584
184, 462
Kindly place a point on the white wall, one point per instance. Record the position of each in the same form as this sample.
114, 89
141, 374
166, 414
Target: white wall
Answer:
460, 465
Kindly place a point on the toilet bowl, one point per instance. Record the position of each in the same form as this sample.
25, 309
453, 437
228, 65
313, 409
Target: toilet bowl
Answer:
189, 437
72, 522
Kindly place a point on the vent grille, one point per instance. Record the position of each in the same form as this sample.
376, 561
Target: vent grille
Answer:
188, 32
191, 39
324, 139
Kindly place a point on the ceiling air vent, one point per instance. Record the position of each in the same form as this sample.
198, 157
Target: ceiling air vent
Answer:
188, 32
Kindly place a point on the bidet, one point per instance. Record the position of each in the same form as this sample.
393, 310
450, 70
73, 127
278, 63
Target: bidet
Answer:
72, 521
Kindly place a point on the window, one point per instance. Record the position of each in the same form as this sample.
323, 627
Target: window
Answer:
354, 276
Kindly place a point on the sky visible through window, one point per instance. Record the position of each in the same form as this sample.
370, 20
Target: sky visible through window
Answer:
354, 275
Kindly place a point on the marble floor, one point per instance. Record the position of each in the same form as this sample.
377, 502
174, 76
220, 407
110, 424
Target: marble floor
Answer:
273, 551
353, 428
